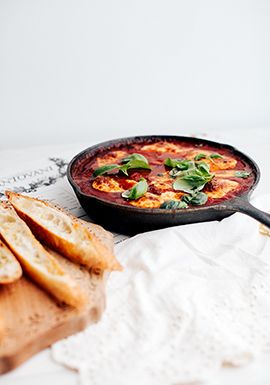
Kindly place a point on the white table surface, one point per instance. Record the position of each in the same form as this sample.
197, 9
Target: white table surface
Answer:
41, 369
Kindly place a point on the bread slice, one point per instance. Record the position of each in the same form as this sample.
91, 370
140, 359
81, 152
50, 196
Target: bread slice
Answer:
38, 263
10, 269
63, 233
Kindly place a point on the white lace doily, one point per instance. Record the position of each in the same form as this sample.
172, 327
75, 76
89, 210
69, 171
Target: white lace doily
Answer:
191, 299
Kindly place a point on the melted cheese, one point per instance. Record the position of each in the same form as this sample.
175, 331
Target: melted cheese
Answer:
160, 183
218, 188
111, 158
170, 196
192, 153
148, 201
225, 173
162, 147
106, 184
224, 163
152, 201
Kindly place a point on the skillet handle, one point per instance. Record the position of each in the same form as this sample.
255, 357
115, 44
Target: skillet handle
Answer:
243, 206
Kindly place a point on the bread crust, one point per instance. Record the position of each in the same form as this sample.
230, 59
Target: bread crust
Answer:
63, 233
37, 262
10, 269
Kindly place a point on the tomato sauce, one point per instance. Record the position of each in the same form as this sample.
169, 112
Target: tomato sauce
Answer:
82, 170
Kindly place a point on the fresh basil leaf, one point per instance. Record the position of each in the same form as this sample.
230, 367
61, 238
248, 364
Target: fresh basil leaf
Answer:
180, 164
181, 167
186, 198
169, 162
186, 165
200, 156
136, 191
124, 169
215, 156
193, 180
199, 199
242, 174
203, 167
134, 157
173, 205
187, 186
175, 172
135, 163
103, 169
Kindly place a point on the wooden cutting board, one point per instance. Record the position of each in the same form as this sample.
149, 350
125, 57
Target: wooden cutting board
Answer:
31, 320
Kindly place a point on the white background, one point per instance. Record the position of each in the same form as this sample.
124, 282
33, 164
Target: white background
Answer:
81, 70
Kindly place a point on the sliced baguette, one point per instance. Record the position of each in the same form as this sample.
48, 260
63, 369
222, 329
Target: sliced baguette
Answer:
63, 233
10, 269
38, 263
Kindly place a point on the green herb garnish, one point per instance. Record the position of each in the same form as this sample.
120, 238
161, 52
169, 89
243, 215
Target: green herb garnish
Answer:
194, 179
197, 199
130, 162
215, 156
190, 176
211, 156
173, 205
134, 157
176, 172
134, 163
200, 156
203, 168
242, 174
103, 169
188, 184
180, 164
136, 191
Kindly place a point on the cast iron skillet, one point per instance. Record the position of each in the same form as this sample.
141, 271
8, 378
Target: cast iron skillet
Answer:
132, 220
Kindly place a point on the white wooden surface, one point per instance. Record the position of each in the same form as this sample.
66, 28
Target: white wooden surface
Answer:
41, 369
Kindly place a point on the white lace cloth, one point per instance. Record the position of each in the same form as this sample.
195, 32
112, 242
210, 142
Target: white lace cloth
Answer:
191, 299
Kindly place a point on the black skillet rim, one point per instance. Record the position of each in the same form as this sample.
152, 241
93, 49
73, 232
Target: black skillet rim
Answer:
132, 139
